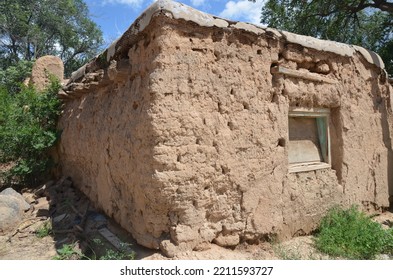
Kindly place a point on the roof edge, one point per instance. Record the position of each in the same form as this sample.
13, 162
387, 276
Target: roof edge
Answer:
180, 11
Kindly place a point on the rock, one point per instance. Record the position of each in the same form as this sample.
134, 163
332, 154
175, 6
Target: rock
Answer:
233, 227
66, 183
42, 191
22, 202
11, 212
8, 219
98, 220
202, 247
45, 66
29, 198
322, 67
59, 218
227, 240
42, 207
112, 72
168, 248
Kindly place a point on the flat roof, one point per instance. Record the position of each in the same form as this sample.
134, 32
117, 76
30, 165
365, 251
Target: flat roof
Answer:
173, 9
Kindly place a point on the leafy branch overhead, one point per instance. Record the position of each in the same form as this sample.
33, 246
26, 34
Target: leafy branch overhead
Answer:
31, 29
360, 22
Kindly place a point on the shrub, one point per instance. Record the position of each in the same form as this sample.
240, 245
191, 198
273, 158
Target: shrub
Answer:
351, 234
27, 131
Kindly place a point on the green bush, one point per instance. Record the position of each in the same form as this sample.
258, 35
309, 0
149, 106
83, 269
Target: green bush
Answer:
27, 131
351, 234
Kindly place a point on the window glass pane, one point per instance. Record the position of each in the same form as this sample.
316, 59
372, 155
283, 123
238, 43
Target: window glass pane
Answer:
322, 134
304, 144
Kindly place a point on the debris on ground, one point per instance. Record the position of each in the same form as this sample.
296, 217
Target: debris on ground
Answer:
60, 212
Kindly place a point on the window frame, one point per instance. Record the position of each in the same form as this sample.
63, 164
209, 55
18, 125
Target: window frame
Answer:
318, 113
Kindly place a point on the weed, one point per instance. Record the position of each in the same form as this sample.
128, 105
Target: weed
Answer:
44, 230
285, 253
124, 253
351, 234
68, 252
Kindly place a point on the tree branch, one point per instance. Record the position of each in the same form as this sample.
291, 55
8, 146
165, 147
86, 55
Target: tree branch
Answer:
383, 5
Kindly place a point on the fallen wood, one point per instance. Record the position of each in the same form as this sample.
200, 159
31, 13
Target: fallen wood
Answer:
114, 240
23, 226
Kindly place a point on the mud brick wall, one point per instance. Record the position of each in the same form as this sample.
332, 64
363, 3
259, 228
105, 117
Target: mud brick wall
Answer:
181, 133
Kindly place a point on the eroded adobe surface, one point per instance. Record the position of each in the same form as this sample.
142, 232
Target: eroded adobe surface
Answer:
180, 131
43, 68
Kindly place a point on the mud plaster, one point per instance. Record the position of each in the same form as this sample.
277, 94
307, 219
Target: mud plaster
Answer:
182, 136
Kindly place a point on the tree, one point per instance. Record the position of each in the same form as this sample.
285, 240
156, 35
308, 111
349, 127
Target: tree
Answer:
33, 28
11, 78
368, 23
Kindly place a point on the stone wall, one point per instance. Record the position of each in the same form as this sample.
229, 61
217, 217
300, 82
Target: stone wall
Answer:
182, 136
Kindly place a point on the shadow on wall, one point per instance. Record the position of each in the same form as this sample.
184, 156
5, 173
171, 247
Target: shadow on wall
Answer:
383, 107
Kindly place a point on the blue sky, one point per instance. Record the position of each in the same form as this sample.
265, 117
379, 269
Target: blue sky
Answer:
115, 16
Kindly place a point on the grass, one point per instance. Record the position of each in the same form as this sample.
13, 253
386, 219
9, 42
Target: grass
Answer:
286, 254
125, 253
44, 230
351, 234
68, 252
118, 255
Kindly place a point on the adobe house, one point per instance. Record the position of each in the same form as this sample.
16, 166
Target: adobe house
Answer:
192, 129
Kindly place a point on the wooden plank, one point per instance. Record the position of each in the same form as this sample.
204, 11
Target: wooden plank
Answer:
293, 168
111, 238
301, 75
115, 241
308, 113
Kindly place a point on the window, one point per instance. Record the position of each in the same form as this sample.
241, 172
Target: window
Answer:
309, 139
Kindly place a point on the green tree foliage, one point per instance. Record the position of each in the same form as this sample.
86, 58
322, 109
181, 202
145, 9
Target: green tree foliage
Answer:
27, 132
360, 22
32, 28
12, 77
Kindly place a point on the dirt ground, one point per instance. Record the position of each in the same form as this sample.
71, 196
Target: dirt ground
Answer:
65, 219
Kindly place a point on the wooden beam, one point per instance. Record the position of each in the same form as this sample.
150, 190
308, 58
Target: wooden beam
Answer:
294, 168
301, 75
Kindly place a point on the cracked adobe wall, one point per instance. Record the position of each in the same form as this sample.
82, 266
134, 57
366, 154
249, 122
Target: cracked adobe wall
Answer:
180, 131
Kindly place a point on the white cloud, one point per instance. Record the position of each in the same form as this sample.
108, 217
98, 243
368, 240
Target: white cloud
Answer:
243, 10
133, 3
197, 3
